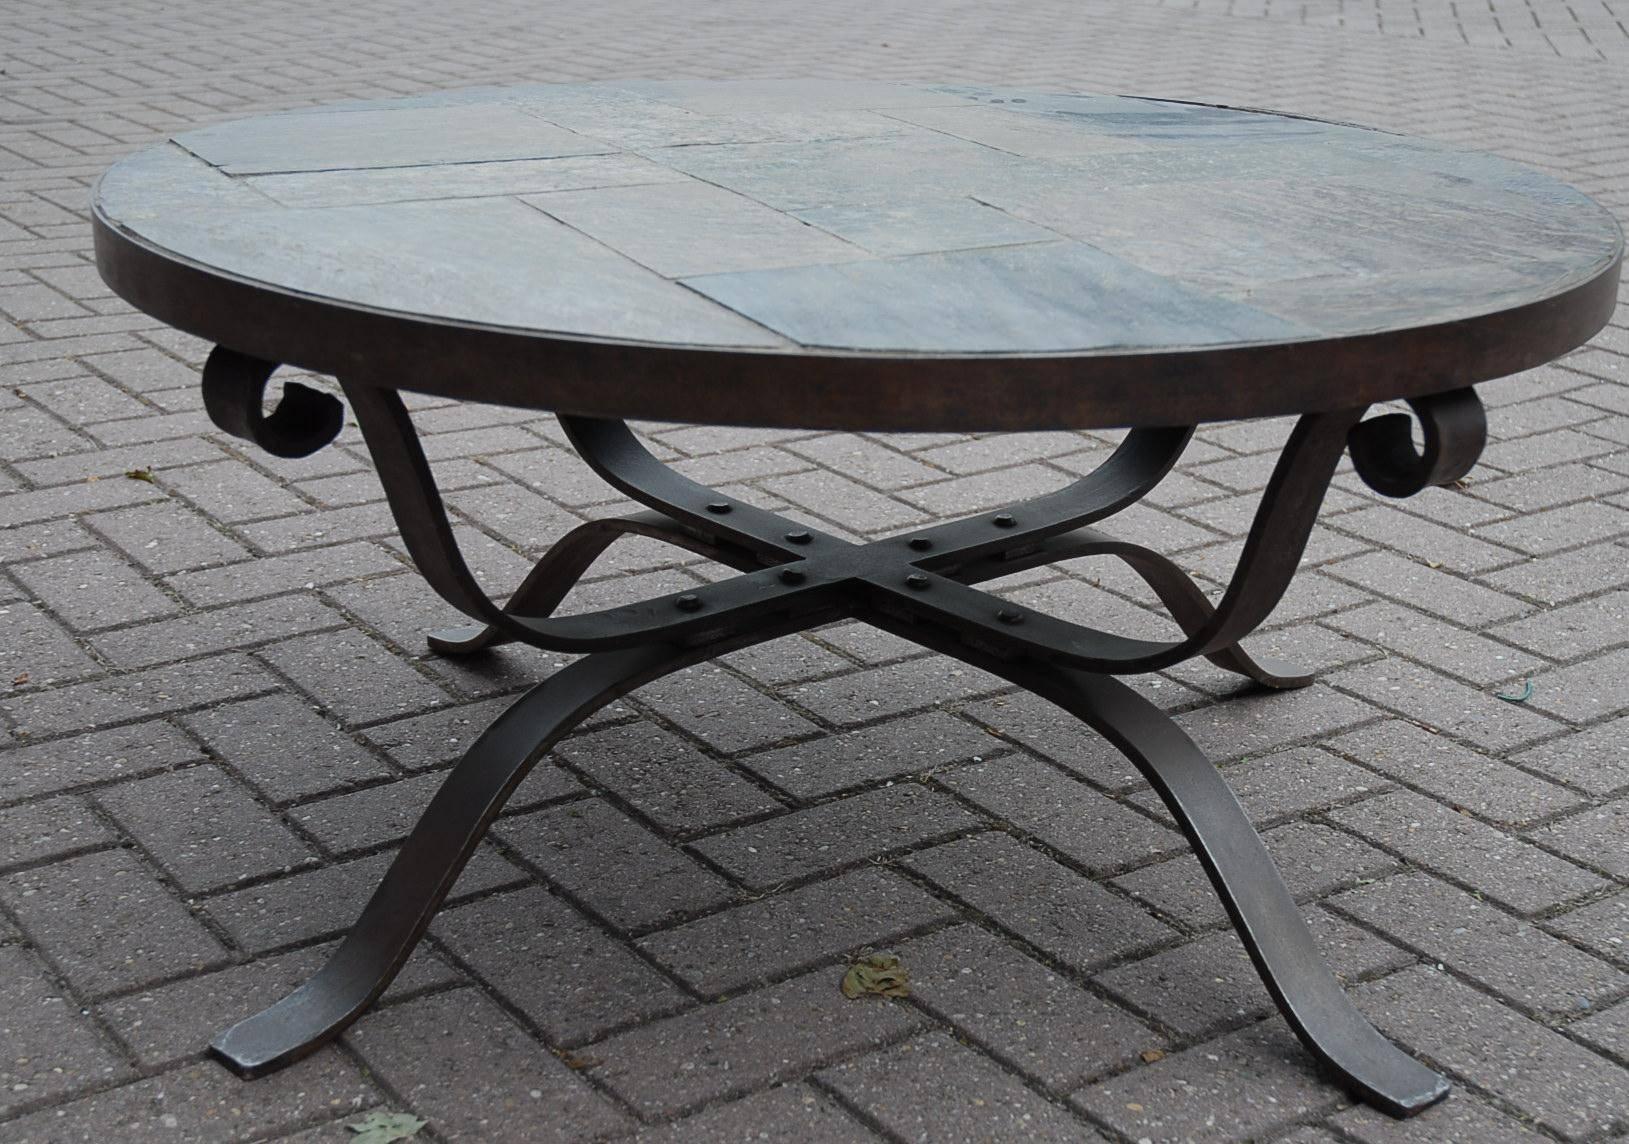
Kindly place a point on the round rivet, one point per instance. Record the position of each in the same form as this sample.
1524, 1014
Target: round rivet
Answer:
920, 543
798, 537
1003, 520
791, 576
1010, 616
718, 507
688, 602
916, 580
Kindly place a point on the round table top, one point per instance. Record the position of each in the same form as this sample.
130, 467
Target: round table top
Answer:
860, 255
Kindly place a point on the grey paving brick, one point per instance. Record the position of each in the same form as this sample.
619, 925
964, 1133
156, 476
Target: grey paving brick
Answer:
65, 764
1607, 1032
1593, 837
793, 659
1573, 630
98, 464
44, 538
1554, 529
282, 748
1463, 1117
1240, 1087
203, 828
1311, 858
37, 650
894, 689
1505, 955
721, 711
364, 819
1563, 1086
1038, 725
93, 590
194, 634
354, 676
829, 837
148, 693
1429, 543
435, 738
1422, 585
1084, 825
916, 745
1019, 1010
566, 975
845, 502
107, 923
1601, 926
1467, 655
785, 933
313, 527
789, 1114
622, 871
1563, 576
1446, 705
1512, 872
932, 1088
324, 903
1586, 691
462, 1062
1210, 984
54, 828
49, 1049
1455, 774
1285, 784
308, 568
143, 370
232, 492
664, 778
1066, 917
865, 460
747, 1042
1253, 723
166, 537
204, 1102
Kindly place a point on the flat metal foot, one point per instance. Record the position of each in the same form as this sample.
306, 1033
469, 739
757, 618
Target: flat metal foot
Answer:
1245, 878
428, 864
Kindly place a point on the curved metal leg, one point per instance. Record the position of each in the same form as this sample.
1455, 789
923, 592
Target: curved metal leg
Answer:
1242, 872
559, 569
400, 910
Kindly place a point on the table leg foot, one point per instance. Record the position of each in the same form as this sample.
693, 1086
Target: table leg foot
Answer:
400, 910
1268, 921
1248, 883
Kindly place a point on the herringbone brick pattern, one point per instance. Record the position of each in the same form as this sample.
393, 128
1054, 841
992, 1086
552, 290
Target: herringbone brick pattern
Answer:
219, 719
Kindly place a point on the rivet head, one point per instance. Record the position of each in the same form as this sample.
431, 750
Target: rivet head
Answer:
718, 507
689, 602
798, 537
1003, 520
917, 581
920, 543
792, 576
1010, 616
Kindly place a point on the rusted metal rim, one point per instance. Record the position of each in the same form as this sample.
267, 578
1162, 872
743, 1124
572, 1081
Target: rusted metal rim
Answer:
835, 390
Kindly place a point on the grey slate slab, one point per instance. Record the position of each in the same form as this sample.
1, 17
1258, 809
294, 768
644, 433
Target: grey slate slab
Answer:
1050, 296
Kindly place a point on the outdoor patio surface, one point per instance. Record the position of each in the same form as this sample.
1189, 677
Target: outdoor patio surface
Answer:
218, 717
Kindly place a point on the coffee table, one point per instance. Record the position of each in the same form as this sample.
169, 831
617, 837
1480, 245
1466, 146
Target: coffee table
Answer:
862, 256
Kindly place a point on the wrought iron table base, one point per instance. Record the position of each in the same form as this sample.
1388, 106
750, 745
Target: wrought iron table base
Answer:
919, 586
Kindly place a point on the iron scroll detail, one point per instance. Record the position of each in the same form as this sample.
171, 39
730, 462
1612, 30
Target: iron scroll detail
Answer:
234, 387
1454, 427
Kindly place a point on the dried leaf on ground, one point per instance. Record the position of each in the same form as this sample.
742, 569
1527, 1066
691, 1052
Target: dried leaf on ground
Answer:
140, 475
879, 974
385, 1127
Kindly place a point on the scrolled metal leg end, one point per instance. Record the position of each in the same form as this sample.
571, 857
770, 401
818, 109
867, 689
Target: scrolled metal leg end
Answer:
1455, 428
234, 388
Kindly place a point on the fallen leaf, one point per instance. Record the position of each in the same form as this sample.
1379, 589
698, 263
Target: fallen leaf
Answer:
22, 678
1149, 1056
140, 475
384, 1127
879, 974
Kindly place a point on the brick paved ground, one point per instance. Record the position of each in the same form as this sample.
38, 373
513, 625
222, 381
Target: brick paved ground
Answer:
220, 718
